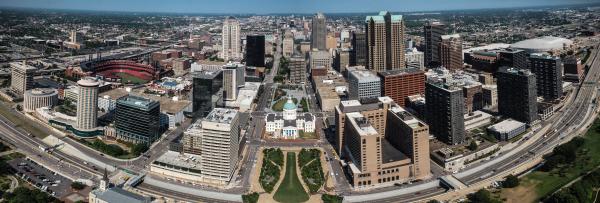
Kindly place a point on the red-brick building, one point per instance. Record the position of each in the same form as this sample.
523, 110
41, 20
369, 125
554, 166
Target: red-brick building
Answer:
399, 84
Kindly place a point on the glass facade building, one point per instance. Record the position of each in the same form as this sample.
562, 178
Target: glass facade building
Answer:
137, 119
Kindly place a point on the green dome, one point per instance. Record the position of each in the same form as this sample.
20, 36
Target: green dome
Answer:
289, 105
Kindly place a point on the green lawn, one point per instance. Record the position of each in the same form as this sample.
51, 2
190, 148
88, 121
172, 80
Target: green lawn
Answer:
21, 122
546, 183
131, 79
291, 189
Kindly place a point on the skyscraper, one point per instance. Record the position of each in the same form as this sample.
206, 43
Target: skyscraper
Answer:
288, 44
548, 73
358, 56
385, 42
233, 77
137, 119
433, 32
318, 35
206, 86
444, 109
255, 50
513, 58
231, 39
87, 104
21, 77
517, 94
220, 144
450, 51
297, 66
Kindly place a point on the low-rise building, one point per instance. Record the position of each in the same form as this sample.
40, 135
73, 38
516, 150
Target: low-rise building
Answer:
507, 129
289, 125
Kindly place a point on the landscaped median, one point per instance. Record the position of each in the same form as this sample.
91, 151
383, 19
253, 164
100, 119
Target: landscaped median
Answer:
271, 168
291, 190
309, 161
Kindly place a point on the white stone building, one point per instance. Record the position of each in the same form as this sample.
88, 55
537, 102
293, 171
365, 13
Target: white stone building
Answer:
288, 124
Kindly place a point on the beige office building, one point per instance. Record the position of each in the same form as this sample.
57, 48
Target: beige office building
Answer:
231, 47
451, 52
385, 42
382, 143
220, 145
21, 77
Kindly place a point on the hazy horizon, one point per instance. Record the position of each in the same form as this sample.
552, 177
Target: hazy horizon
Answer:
281, 6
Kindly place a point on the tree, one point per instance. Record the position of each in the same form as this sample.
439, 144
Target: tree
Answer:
138, 149
25, 195
510, 182
77, 185
481, 196
472, 146
250, 198
331, 198
433, 201
19, 107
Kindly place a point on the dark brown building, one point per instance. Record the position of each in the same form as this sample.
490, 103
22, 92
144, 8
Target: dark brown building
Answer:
399, 84
451, 52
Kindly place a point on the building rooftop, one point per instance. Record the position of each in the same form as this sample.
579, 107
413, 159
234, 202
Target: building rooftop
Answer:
88, 82
221, 115
184, 161
22, 66
361, 124
115, 93
450, 36
545, 43
364, 76
389, 153
206, 74
506, 125
41, 91
516, 71
137, 101
398, 72
117, 194
408, 118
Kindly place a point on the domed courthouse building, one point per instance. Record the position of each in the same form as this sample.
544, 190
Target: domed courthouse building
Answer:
288, 124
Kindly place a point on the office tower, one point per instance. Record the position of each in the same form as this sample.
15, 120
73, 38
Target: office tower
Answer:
399, 84
450, 50
330, 42
414, 59
87, 103
391, 148
21, 77
363, 84
473, 95
375, 109
233, 78
573, 69
513, 58
517, 94
385, 41
192, 139
444, 109
288, 44
297, 66
255, 50
137, 119
220, 145
490, 96
76, 37
433, 32
342, 59
318, 34
548, 73
231, 39
320, 59
359, 49
206, 86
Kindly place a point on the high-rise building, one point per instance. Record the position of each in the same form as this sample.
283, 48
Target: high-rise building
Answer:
87, 104
137, 119
399, 84
433, 32
548, 73
414, 59
288, 44
320, 58
342, 60
297, 66
255, 50
220, 144
450, 51
391, 148
21, 77
444, 109
358, 56
385, 42
192, 139
76, 37
233, 78
517, 97
573, 69
363, 84
331, 42
205, 93
231, 39
318, 35
513, 58
375, 109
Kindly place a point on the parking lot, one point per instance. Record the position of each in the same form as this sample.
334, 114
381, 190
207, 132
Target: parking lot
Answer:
41, 177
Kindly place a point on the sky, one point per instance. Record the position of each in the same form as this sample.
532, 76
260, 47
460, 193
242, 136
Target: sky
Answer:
280, 6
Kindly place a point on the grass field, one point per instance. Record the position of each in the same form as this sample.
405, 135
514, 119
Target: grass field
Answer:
21, 122
539, 184
131, 79
290, 190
